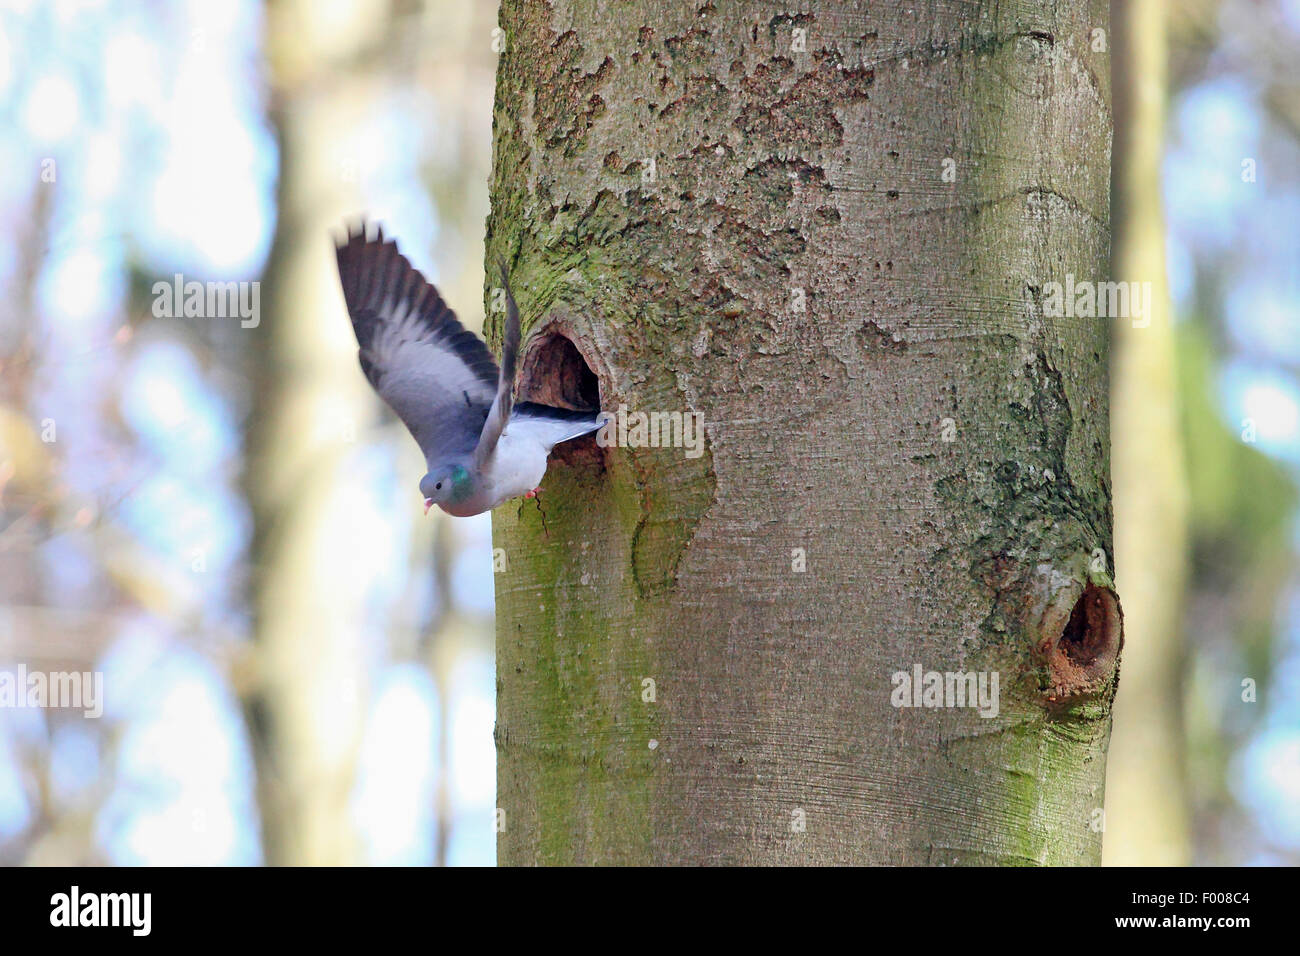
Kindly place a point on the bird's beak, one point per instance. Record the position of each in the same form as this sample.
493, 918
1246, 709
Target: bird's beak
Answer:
428, 503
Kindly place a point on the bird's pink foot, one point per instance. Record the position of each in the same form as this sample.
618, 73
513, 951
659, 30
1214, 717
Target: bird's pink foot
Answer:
533, 494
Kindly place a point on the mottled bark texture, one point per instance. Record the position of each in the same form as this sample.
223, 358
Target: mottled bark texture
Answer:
741, 209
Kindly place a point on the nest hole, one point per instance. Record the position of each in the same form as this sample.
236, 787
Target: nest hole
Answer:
1092, 631
555, 373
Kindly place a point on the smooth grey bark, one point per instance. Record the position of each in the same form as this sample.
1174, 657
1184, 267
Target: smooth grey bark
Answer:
828, 228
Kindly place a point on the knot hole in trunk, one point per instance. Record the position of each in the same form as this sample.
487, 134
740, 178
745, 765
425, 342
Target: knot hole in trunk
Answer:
1082, 657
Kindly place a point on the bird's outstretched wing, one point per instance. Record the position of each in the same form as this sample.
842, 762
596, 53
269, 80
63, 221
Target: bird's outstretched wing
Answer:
440, 379
499, 415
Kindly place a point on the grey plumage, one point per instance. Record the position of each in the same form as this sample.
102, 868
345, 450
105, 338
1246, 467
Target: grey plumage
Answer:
442, 382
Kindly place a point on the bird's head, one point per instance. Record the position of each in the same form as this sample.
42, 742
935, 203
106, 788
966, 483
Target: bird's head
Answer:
443, 484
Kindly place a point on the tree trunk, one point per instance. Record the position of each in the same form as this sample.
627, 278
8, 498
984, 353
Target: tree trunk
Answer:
1147, 819
305, 688
830, 232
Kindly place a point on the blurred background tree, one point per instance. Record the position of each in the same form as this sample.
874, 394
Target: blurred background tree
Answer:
1205, 437
226, 523
1146, 798
155, 486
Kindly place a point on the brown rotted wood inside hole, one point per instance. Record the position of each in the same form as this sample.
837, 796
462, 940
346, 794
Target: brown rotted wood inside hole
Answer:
1089, 632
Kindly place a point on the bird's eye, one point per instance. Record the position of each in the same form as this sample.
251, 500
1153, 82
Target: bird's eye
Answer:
438, 486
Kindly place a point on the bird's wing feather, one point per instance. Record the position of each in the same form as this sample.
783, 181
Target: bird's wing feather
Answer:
549, 426
499, 415
438, 378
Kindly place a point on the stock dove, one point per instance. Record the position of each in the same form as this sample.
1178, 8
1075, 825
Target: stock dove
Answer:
480, 446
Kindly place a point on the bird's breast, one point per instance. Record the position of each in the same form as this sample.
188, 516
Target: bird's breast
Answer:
465, 509
517, 468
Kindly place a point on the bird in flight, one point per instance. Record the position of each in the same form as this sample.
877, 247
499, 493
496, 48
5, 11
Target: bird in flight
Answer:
480, 446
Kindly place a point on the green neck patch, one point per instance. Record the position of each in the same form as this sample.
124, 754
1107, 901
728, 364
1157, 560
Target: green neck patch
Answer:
460, 484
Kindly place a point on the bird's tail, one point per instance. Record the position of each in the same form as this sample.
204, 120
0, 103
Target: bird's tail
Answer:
553, 425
